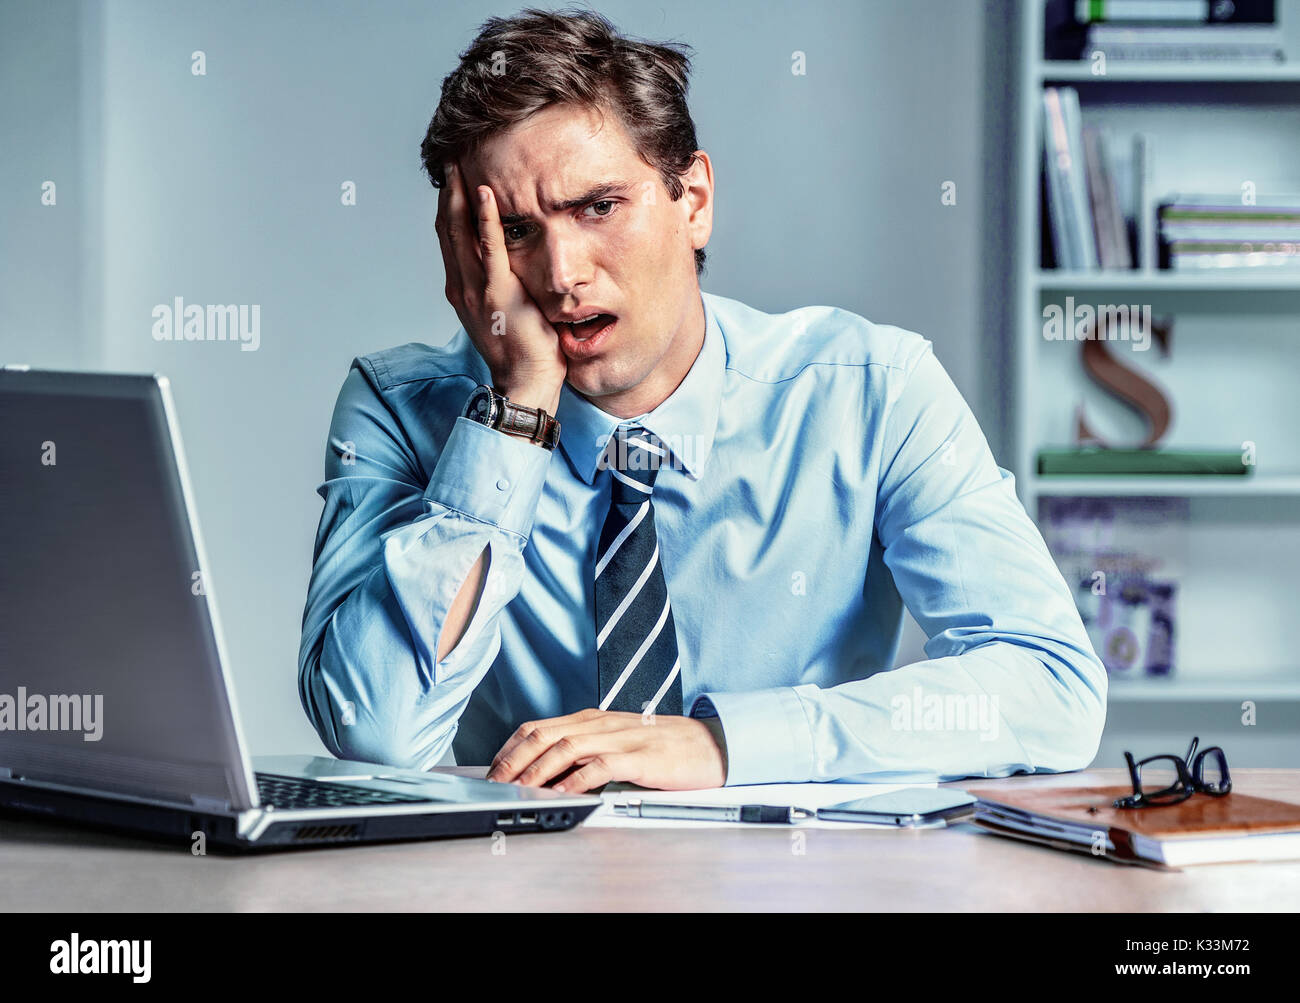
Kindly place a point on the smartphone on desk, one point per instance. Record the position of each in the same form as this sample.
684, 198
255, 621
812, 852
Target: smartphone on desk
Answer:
914, 807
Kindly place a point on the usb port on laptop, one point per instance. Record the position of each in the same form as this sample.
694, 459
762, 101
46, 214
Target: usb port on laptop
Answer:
527, 818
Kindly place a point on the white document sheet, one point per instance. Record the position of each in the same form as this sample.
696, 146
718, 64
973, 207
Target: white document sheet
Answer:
810, 796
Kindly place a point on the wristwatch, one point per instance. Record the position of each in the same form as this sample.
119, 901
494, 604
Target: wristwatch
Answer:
490, 407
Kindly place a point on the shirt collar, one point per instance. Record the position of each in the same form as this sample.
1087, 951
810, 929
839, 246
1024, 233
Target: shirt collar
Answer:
685, 422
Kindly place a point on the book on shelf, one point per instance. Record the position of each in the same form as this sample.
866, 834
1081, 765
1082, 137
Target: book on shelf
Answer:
1107, 214
1201, 255
1144, 242
1056, 173
1219, 231
1202, 29
1134, 462
1074, 241
1094, 187
1236, 42
1096, 216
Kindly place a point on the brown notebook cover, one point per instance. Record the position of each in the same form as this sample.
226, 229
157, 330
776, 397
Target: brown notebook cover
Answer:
1200, 816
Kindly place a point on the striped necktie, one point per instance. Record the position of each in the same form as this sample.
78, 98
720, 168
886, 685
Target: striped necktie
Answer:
636, 642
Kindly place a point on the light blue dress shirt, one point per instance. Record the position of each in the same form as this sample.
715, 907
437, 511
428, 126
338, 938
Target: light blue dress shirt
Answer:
827, 472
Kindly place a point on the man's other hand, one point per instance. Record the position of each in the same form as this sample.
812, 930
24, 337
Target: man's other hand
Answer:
665, 752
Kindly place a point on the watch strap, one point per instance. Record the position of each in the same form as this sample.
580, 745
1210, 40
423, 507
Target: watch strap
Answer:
531, 423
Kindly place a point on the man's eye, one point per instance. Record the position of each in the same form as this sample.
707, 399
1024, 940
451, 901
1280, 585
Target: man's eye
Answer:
518, 231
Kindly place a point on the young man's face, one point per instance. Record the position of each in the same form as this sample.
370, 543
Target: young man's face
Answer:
627, 252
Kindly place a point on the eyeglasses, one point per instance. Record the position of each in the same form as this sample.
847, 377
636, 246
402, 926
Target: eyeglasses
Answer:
1166, 780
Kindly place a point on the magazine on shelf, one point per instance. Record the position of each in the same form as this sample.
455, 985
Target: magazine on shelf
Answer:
1124, 559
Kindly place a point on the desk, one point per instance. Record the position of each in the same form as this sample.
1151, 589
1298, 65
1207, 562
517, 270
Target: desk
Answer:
50, 867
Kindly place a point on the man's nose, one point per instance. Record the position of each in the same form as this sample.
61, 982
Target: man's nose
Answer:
567, 263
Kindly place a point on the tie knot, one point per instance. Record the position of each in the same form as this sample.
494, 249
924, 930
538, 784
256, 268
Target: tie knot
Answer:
637, 456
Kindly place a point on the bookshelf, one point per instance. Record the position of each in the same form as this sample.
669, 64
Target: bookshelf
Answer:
1233, 373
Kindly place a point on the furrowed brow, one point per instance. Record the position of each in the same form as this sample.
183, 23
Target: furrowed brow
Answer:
593, 194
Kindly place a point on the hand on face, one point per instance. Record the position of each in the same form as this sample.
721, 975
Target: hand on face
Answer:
509, 330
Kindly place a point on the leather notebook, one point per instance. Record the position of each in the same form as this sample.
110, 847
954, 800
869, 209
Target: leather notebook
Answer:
1199, 830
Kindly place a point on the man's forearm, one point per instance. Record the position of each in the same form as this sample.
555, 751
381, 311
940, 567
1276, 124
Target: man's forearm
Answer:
990, 711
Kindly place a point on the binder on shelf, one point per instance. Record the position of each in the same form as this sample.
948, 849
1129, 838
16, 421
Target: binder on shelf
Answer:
1189, 12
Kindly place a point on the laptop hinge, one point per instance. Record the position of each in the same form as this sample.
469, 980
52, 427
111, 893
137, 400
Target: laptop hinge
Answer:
209, 804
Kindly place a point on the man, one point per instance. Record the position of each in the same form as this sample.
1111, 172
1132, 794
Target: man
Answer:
700, 580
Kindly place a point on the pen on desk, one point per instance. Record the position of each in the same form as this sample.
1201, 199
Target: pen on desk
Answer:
713, 813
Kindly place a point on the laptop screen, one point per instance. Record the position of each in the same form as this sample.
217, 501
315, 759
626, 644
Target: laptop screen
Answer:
110, 671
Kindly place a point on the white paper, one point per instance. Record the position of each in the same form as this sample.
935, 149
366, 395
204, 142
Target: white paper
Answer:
810, 796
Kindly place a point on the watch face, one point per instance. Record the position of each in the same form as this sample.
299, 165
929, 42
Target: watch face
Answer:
480, 406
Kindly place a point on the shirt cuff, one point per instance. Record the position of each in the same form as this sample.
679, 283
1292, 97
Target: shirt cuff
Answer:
767, 735
490, 476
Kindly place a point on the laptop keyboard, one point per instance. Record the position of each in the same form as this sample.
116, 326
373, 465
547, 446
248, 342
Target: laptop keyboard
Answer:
299, 792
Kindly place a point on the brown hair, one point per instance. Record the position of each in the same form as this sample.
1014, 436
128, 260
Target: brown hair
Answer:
520, 65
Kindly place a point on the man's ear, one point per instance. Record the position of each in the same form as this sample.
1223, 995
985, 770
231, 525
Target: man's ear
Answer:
698, 199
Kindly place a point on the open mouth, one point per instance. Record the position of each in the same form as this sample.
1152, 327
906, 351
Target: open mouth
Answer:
583, 330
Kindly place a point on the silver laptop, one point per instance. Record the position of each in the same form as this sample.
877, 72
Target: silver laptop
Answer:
116, 703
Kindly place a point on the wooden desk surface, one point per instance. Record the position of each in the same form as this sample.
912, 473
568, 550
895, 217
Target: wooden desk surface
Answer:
51, 867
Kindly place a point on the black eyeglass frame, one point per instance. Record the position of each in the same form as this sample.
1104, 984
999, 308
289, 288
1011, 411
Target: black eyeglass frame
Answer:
1191, 779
